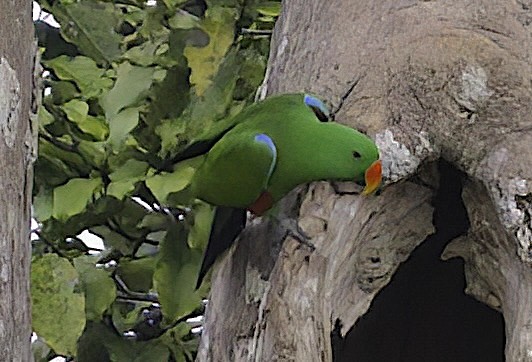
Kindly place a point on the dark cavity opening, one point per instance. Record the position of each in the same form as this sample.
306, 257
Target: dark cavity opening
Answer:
424, 314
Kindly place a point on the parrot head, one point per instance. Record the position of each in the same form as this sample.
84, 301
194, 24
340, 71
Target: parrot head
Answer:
349, 153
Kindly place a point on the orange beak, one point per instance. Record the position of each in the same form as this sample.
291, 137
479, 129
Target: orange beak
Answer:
373, 177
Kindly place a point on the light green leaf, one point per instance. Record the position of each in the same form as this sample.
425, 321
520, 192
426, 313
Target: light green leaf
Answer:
176, 273
77, 112
200, 230
83, 71
121, 124
124, 178
219, 24
45, 117
130, 169
166, 183
183, 20
58, 311
72, 198
132, 85
169, 131
93, 151
269, 8
120, 189
143, 54
172, 4
96, 127
99, 288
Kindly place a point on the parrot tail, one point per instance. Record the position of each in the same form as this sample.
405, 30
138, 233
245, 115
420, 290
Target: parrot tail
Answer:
228, 222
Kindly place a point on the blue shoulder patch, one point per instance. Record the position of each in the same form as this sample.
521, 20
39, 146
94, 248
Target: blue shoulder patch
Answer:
318, 107
265, 139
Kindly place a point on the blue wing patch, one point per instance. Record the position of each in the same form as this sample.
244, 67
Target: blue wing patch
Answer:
318, 107
265, 139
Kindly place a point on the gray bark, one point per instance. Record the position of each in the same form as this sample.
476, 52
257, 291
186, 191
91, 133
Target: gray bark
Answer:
17, 152
427, 80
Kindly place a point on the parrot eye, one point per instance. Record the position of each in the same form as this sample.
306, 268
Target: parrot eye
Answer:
356, 154
319, 109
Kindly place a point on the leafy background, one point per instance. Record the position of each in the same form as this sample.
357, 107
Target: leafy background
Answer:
128, 85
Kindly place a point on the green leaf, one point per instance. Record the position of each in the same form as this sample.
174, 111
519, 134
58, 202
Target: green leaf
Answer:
112, 239
43, 205
143, 54
120, 125
130, 169
132, 85
124, 178
99, 288
125, 317
215, 105
166, 183
137, 273
83, 71
269, 8
181, 346
219, 24
90, 25
155, 222
93, 151
58, 310
176, 273
72, 198
63, 91
173, 4
77, 112
169, 131
92, 343
200, 230
45, 117
151, 351
183, 20
168, 100
40, 350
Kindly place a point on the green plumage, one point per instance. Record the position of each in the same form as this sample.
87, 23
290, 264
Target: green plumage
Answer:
235, 169
274, 146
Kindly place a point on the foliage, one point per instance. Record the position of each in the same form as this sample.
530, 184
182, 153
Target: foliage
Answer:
128, 86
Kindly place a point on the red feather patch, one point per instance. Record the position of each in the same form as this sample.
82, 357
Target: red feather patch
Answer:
262, 204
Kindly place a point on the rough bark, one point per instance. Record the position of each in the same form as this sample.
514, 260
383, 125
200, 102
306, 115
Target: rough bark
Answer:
17, 152
427, 80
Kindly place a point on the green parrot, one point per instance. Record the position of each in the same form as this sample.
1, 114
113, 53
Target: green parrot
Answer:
272, 147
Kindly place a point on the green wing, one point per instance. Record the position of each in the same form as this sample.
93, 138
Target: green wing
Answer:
235, 173
236, 170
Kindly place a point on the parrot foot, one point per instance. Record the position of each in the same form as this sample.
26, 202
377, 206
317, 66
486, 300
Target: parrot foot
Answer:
292, 229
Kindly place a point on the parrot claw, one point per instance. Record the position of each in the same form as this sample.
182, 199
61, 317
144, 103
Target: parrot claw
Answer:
292, 229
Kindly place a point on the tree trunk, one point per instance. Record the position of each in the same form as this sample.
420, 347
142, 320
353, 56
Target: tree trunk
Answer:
427, 80
17, 151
